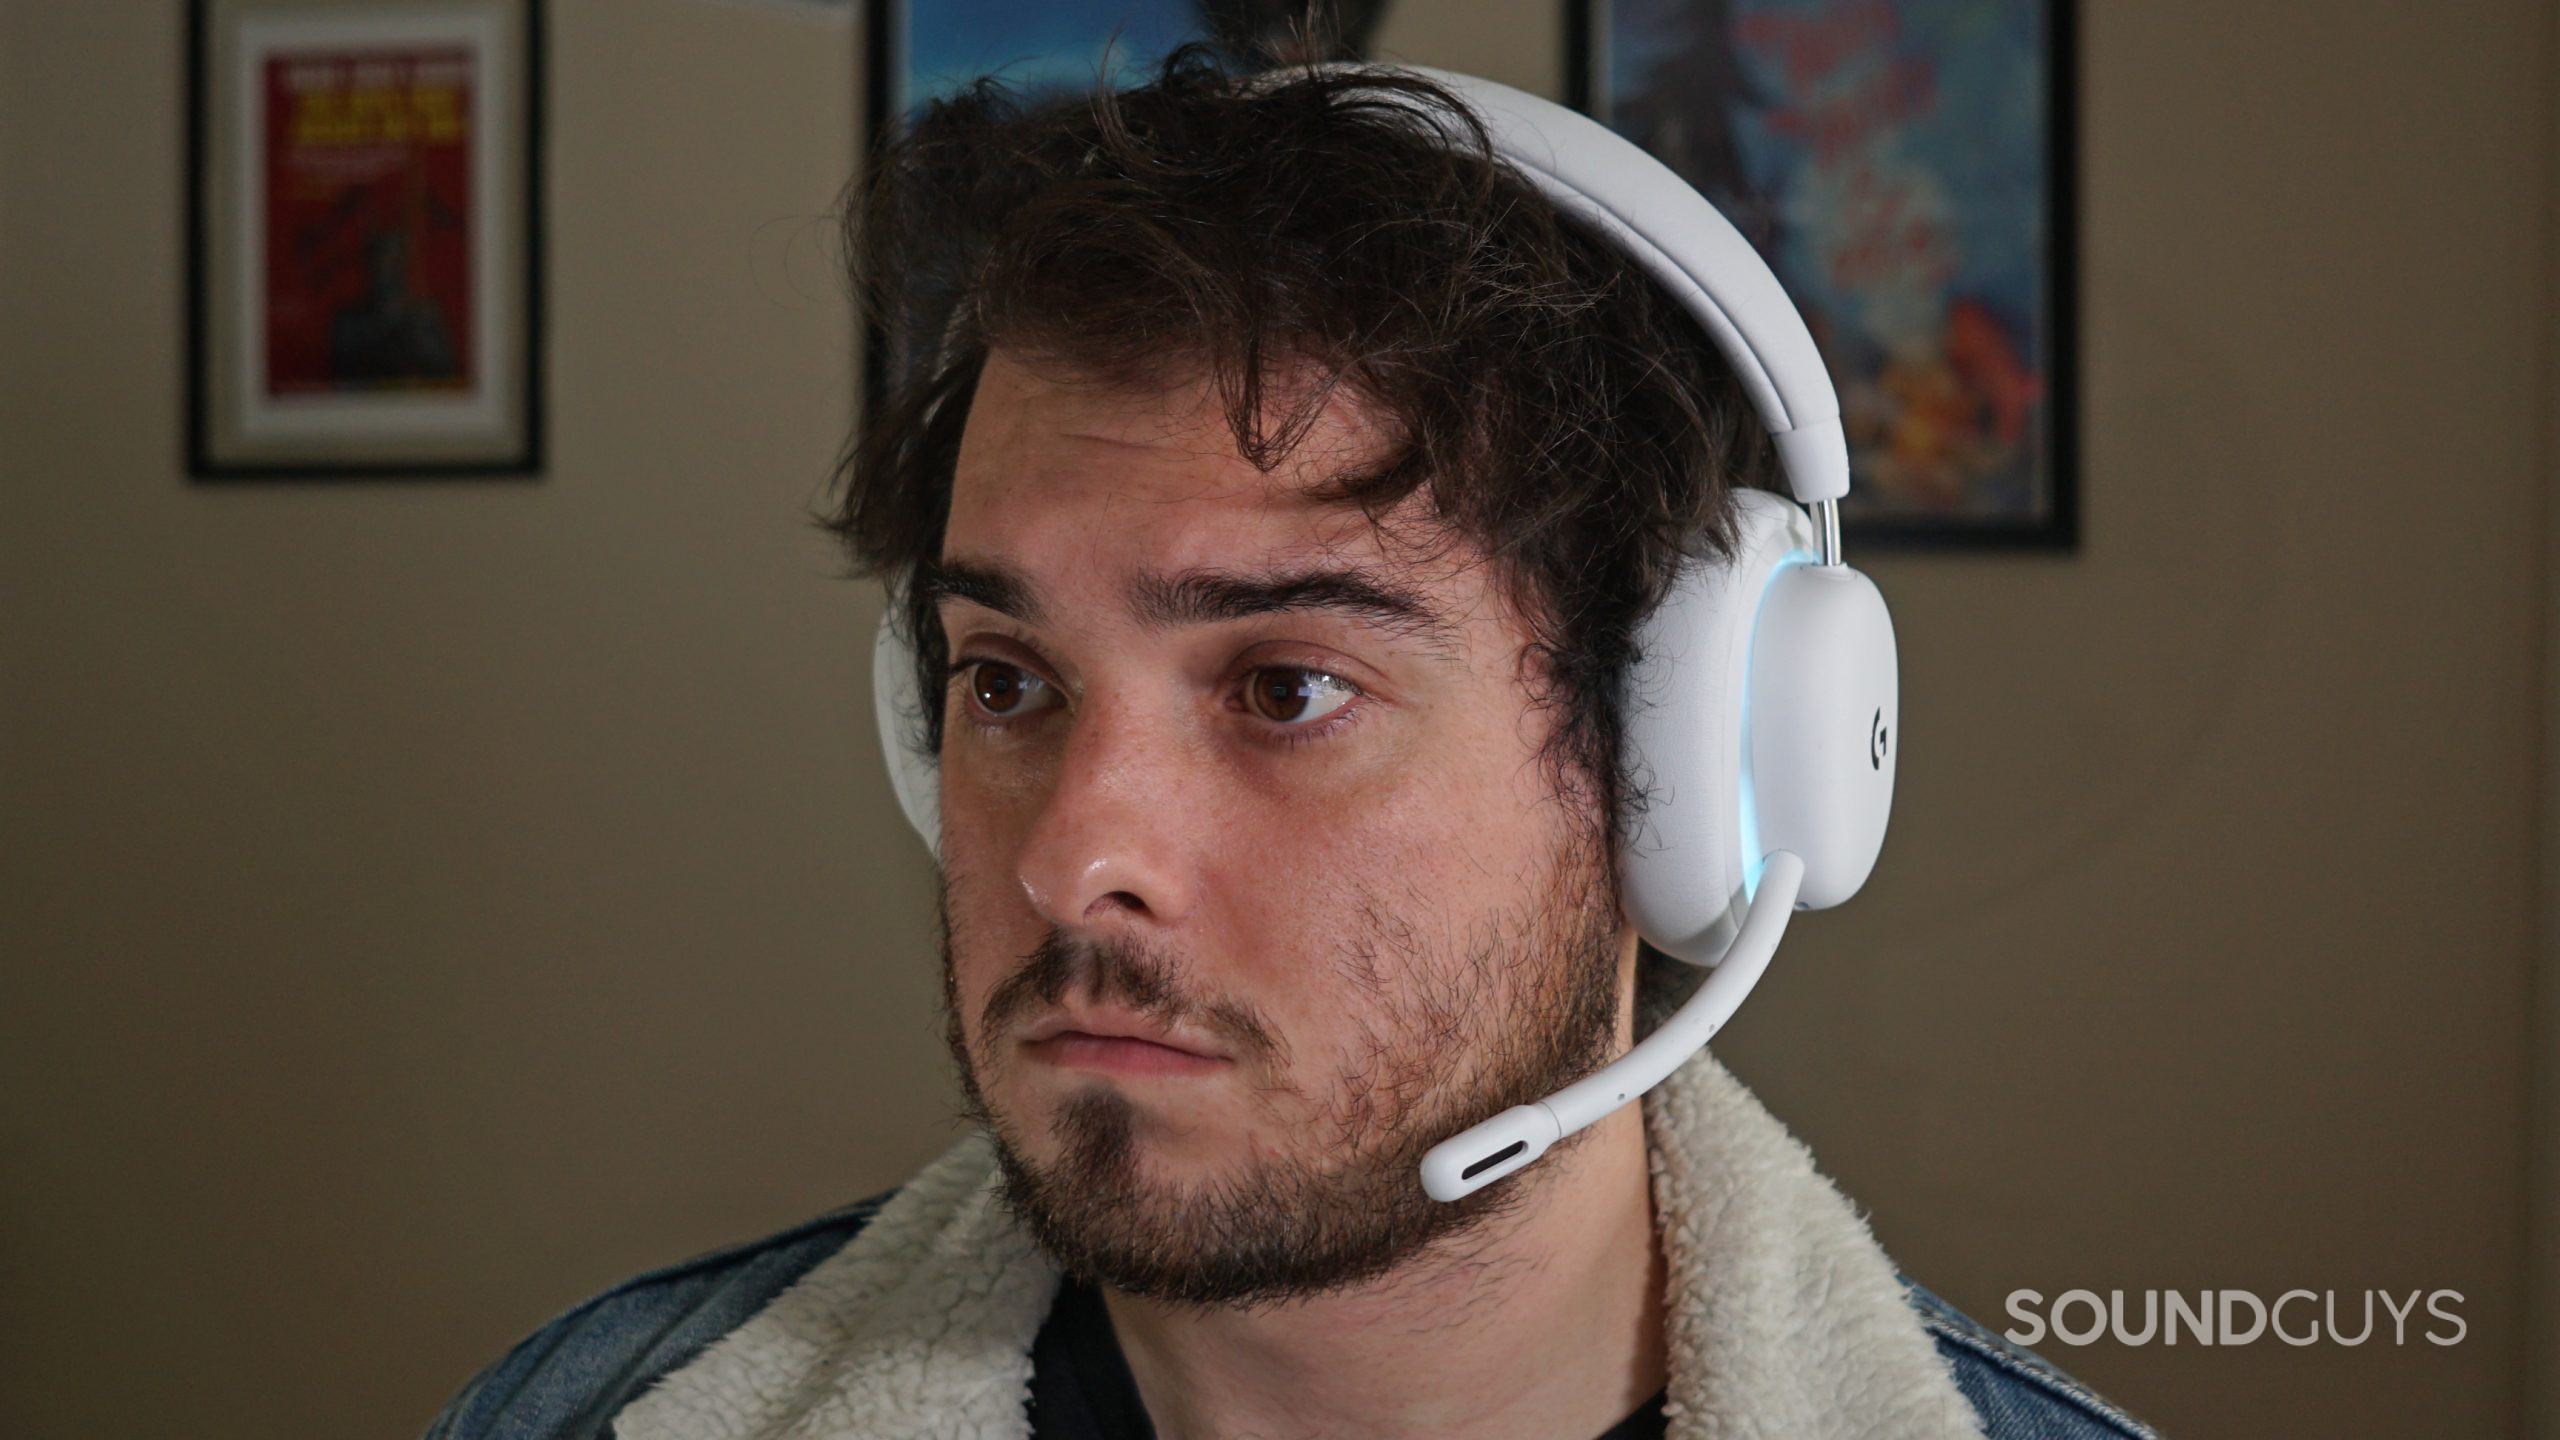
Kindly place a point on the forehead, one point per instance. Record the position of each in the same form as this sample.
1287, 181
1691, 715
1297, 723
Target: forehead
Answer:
1056, 471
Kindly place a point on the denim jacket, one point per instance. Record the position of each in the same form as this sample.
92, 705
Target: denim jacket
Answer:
568, 1379
911, 1313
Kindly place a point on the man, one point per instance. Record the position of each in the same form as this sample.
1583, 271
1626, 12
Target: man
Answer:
1272, 493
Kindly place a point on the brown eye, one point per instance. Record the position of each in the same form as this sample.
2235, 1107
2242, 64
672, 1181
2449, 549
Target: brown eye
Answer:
1290, 696
1003, 690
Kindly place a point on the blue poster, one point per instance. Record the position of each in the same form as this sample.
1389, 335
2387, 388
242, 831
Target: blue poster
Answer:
1038, 45
1046, 45
1891, 159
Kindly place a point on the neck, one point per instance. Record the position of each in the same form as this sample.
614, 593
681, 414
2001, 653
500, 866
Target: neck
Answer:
1546, 1324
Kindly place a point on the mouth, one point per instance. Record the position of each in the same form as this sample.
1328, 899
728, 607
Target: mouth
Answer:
1118, 1044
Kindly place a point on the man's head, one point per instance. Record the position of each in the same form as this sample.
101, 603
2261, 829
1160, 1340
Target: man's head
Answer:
1273, 496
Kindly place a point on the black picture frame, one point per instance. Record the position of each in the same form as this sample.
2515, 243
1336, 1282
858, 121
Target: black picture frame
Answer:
212, 455
2055, 526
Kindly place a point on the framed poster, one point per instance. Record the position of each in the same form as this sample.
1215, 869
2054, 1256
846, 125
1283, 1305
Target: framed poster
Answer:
920, 50
364, 242
1905, 167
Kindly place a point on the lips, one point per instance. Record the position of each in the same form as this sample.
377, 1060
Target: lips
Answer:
1120, 1057
1118, 1025
1120, 1043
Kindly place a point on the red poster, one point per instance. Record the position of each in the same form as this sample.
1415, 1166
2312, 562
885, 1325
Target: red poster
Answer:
369, 265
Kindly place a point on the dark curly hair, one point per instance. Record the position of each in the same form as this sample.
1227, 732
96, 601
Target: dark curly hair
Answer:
1550, 403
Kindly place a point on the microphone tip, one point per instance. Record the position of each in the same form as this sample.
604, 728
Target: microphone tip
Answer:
1474, 1158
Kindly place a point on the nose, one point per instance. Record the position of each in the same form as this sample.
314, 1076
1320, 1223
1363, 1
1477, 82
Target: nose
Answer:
1107, 847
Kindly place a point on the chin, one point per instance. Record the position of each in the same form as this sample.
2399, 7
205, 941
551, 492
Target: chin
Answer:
1081, 1122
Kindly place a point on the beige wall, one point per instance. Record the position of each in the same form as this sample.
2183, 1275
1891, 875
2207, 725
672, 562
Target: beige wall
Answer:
2542, 1236
422, 905
429, 902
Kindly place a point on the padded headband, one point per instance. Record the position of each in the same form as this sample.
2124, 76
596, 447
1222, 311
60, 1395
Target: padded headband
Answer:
1608, 181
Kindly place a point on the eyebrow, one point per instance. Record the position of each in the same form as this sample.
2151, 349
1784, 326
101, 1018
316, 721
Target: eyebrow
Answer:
989, 584
1209, 597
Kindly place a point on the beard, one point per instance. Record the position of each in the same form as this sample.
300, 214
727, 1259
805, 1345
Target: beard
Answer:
1526, 1006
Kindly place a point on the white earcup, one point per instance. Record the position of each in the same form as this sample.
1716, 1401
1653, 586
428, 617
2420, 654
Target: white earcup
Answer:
901, 713
1823, 729
1682, 872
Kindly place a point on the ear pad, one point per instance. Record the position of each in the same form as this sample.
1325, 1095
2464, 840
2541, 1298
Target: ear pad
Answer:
901, 713
1693, 848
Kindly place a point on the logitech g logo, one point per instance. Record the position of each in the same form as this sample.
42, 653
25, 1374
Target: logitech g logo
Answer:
1876, 738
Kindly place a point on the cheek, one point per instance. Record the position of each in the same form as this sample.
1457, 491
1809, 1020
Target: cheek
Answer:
987, 810
991, 927
1366, 892
1452, 809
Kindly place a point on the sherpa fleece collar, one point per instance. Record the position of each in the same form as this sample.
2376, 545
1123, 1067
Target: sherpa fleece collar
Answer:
1785, 1317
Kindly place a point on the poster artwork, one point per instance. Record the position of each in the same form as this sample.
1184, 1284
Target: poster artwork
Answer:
369, 267
1887, 156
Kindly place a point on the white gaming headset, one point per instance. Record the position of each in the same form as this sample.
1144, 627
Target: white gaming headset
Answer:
1761, 716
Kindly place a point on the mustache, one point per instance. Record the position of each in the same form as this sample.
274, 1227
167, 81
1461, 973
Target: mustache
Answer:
1146, 978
